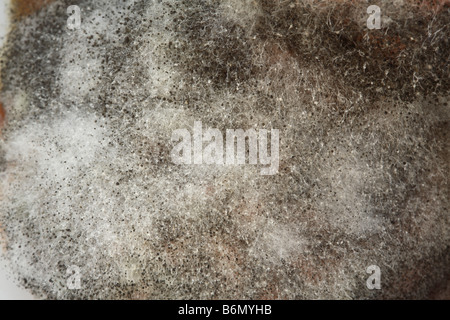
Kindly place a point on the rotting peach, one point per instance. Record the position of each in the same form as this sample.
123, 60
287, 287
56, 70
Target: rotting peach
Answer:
23, 8
2, 116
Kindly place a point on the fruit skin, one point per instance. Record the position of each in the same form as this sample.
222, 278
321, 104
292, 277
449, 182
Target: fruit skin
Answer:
2, 116
23, 8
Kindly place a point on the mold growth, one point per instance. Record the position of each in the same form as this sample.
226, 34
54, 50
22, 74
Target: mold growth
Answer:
87, 179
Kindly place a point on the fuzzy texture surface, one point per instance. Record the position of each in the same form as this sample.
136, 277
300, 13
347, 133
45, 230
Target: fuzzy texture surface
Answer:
86, 177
